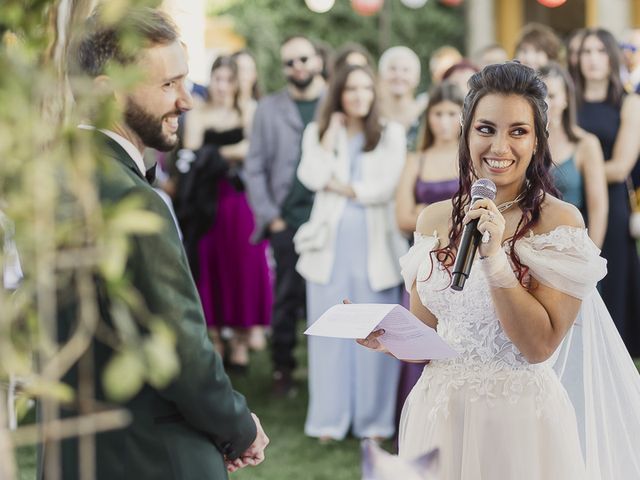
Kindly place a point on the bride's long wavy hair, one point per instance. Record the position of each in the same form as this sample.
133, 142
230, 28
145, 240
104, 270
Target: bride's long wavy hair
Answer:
510, 78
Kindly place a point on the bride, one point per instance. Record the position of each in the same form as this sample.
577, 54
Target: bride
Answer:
543, 387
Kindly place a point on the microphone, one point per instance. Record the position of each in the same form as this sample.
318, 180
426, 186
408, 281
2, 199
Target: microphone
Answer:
482, 188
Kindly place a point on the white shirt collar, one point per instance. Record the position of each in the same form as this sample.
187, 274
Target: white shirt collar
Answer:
128, 147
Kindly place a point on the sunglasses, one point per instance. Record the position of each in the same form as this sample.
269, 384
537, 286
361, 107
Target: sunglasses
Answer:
291, 62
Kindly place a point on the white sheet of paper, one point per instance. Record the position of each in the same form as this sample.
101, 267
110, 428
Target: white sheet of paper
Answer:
405, 335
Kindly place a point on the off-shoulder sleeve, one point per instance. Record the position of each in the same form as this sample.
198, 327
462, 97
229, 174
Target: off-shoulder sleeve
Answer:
564, 259
410, 262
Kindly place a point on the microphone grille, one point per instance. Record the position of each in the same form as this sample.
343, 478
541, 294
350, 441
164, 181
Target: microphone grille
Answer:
483, 188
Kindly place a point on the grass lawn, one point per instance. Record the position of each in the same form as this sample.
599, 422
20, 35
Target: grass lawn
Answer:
291, 455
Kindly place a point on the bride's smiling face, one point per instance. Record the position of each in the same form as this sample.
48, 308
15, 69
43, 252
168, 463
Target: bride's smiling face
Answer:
502, 138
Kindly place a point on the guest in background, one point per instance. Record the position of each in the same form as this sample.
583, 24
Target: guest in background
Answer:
460, 73
249, 93
279, 201
538, 45
351, 53
399, 72
572, 45
613, 116
631, 59
349, 248
578, 169
325, 53
490, 55
441, 59
429, 176
249, 89
232, 275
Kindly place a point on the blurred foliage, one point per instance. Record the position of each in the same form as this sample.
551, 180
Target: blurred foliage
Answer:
66, 237
265, 23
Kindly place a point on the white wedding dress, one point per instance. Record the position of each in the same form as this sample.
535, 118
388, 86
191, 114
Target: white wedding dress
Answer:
493, 415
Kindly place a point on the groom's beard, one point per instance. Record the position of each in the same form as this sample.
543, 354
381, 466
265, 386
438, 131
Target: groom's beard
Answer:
149, 127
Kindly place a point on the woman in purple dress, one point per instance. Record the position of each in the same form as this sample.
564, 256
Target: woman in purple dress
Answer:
232, 274
430, 175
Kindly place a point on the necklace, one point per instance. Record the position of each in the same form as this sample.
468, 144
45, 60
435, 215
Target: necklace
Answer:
507, 205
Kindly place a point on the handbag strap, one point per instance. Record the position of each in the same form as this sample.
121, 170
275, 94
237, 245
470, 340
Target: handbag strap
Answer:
633, 199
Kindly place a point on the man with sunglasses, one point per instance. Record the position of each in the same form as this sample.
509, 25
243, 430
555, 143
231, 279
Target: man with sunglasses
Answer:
279, 201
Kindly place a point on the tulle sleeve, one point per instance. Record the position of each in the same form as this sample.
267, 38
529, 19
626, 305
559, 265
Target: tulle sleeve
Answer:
592, 362
564, 259
411, 261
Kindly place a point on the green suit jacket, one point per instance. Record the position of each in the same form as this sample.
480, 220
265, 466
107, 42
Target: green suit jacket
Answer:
183, 431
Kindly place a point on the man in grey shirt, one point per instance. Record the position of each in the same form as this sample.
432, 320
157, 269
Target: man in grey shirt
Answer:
279, 201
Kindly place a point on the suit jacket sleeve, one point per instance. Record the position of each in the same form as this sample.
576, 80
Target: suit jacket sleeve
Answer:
256, 171
202, 391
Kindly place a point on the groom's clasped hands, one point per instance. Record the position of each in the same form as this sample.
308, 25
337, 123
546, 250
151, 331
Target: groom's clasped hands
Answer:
254, 455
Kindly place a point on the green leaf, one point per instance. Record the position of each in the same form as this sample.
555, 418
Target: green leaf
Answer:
162, 361
123, 376
23, 406
114, 259
45, 388
114, 10
136, 222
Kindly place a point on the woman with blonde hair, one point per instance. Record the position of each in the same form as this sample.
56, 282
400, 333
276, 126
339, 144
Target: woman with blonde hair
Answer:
399, 76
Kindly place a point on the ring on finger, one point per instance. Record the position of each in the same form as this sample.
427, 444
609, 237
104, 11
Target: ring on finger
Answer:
491, 216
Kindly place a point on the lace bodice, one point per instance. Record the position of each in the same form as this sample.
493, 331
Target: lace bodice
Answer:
564, 258
467, 320
489, 363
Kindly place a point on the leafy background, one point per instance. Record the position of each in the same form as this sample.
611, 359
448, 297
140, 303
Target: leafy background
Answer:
265, 23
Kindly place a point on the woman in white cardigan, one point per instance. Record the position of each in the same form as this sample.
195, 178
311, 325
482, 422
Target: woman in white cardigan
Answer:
350, 249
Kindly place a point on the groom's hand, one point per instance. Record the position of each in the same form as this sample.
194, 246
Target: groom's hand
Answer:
254, 455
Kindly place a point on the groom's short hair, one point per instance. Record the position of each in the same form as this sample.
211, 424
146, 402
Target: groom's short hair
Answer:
102, 43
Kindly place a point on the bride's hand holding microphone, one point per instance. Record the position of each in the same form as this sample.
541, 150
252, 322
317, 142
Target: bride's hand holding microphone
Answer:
491, 224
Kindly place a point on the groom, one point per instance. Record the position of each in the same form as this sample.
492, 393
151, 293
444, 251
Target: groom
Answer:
198, 427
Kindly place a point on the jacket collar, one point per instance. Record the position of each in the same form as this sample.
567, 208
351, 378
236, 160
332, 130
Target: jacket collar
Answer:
122, 149
287, 106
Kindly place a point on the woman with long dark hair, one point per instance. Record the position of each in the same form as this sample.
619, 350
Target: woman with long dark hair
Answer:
350, 246
431, 174
231, 274
578, 170
500, 409
612, 115
248, 88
